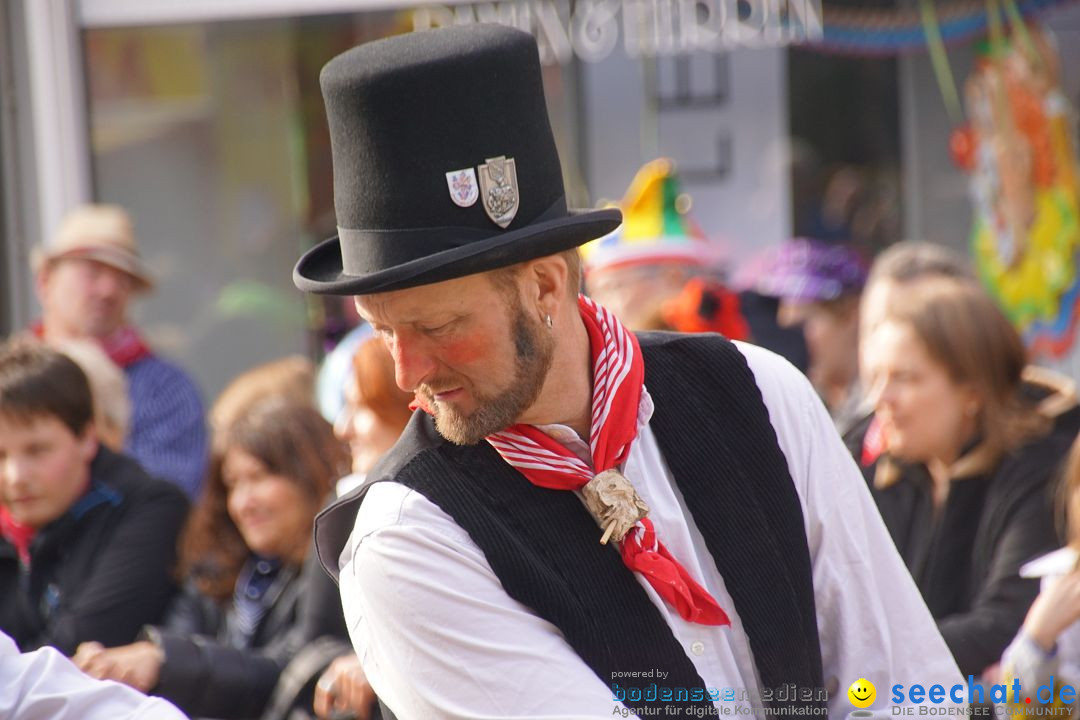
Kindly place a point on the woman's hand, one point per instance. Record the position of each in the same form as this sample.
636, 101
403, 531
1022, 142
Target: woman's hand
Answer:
344, 687
137, 665
1056, 608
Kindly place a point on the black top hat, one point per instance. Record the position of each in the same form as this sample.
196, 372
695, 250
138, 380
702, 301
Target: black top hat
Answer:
444, 163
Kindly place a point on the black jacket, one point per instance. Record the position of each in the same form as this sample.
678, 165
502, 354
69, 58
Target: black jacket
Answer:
102, 570
966, 558
206, 676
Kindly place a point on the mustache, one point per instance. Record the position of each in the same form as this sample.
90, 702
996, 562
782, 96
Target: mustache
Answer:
433, 388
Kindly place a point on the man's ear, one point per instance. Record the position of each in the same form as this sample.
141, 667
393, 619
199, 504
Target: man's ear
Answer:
546, 279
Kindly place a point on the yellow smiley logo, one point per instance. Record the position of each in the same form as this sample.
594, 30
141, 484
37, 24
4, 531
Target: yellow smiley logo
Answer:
862, 693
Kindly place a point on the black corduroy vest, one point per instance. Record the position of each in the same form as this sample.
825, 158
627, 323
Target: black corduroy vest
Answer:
714, 432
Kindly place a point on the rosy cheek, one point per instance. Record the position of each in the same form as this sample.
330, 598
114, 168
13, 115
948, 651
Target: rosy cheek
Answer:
466, 350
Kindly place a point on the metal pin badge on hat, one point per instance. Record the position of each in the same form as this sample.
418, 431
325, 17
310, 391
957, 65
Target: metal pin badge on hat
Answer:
463, 189
499, 185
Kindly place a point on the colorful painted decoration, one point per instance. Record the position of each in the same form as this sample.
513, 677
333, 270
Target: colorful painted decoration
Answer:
876, 31
1018, 150
656, 225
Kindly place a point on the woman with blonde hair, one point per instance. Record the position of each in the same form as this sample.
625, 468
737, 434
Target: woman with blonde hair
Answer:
963, 485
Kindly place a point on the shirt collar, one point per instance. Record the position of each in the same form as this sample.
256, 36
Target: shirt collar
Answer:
569, 438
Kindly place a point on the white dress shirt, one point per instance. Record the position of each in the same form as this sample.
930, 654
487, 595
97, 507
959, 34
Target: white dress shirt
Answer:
438, 636
45, 685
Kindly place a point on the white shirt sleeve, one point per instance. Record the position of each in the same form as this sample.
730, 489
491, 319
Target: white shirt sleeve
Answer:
437, 635
872, 621
45, 685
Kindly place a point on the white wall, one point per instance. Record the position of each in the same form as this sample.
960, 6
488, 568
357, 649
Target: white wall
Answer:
750, 207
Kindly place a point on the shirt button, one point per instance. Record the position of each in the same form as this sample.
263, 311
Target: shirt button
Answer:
698, 648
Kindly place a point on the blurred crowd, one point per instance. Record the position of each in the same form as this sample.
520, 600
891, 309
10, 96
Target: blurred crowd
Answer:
169, 548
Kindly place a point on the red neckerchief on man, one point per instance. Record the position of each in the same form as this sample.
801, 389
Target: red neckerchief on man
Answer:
618, 379
125, 346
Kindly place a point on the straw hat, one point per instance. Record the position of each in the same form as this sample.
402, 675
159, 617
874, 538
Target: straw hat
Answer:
103, 233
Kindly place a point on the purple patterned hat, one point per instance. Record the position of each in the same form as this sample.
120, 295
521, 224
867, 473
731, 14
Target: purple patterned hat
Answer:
806, 270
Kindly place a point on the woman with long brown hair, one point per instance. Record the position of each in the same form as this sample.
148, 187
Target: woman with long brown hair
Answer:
225, 643
964, 483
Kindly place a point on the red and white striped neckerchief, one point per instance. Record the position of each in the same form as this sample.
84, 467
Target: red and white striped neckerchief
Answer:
618, 378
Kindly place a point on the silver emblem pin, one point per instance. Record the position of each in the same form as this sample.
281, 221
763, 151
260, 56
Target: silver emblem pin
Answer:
499, 188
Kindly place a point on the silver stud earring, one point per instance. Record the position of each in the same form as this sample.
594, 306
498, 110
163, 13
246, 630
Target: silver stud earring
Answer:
549, 321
